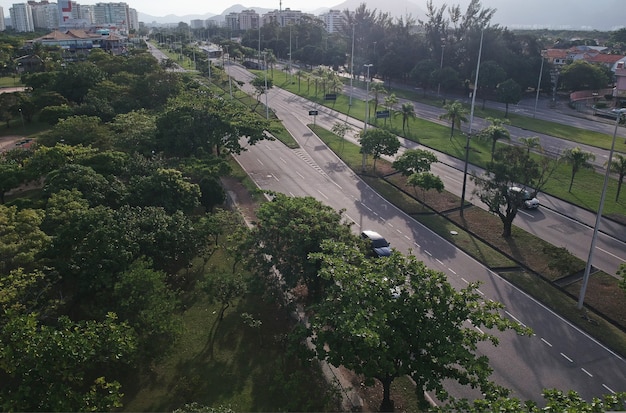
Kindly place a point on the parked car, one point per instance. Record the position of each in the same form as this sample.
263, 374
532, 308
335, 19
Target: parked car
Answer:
380, 246
530, 202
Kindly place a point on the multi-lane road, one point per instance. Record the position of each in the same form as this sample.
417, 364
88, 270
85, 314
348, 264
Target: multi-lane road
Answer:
559, 355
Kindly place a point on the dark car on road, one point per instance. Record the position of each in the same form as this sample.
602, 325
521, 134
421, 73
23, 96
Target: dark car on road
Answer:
379, 245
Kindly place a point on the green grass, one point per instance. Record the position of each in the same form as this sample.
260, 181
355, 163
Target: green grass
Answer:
10, 81
229, 363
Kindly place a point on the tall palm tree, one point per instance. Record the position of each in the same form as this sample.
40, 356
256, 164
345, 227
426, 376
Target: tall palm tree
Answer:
579, 159
378, 89
495, 132
455, 113
391, 101
300, 74
531, 142
618, 166
408, 112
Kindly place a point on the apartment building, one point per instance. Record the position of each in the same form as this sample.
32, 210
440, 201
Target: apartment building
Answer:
22, 17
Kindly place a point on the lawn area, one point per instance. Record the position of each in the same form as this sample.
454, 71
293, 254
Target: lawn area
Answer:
528, 262
244, 361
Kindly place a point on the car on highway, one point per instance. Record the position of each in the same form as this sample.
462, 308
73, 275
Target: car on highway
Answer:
530, 202
379, 245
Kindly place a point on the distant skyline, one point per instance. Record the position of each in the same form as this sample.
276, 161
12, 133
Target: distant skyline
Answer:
185, 7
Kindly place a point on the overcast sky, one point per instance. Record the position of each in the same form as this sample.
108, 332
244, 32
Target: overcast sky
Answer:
182, 7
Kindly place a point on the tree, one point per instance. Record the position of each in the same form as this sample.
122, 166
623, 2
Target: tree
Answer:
555, 400
495, 132
509, 91
64, 364
211, 193
21, 239
491, 74
385, 318
621, 274
287, 231
11, 176
618, 166
426, 181
166, 188
582, 75
340, 129
261, 85
75, 81
531, 142
377, 89
378, 142
422, 73
390, 102
511, 166
455, 113
578, 159
407, 112
78, 130
414, 161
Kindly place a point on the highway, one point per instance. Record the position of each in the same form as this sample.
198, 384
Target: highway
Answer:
556, 221
559, 355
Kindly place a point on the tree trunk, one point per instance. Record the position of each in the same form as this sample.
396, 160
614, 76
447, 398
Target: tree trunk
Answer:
387, 404
619, 187
507, 227
571, 182
506, 111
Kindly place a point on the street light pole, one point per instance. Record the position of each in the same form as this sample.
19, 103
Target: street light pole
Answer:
267, 110
367, 108
583, 288
538, 87
443, 47
469, 135
351, 67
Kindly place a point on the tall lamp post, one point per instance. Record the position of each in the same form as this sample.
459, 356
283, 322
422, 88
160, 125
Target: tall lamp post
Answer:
351, 67
367, 107
583, 288
538, 87
267, 110
469, 135
443, 47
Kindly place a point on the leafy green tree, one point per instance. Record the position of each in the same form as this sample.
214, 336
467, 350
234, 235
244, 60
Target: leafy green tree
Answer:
45, 159
426, 181
422, 73
21, 239
11, 176
134, 132
96, 188
76, 79
414, 161
166, 188
621, 274
340, 129
530, 143
386, 318
142, 298
495, 132
378, 142
378, 89
491, 75
390, 102
261, 86
509, 91
287, 231
407, 112
212, 193
63, 364
582, 75
511, 166
455, 113
578, 159
555, 400
78, 130
618, 166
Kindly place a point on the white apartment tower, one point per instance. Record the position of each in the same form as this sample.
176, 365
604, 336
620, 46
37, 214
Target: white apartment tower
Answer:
334, 20
2, 26
45, 15
22, 17
248, 19
196, 24
112, 14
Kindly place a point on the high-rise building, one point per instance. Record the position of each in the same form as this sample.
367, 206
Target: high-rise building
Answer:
133, 22
248, 19
112, 14
231, 21
2, 26
282, 17
334, 20
45, 14
22, 17
196, 24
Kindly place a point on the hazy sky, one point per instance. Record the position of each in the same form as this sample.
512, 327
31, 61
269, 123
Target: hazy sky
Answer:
182, 7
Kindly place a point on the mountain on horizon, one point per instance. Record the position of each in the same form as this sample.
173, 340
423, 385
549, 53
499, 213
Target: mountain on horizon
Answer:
602, 15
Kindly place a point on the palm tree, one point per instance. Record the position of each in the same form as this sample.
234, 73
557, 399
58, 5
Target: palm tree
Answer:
378, 89
300, 74
408, 112
530, 143
618, 166
578, 159
390, 102
495, 132
455, 113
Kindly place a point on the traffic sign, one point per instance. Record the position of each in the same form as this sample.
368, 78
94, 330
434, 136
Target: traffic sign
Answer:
381, 114
330, 96
312, 113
